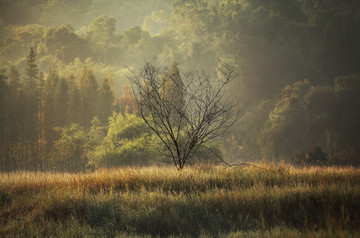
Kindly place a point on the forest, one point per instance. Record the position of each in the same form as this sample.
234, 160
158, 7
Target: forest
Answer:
180, 118
67, 104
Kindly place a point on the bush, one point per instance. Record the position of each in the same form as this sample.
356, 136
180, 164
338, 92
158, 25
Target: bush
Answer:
126, 143
314, 156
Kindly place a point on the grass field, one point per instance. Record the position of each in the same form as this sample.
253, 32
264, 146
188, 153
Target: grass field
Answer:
206, 201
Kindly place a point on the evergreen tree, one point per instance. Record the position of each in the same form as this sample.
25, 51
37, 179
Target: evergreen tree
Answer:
31, 72
14, 94
41, 120
3, 121
3, 96
14, 82
49, 107
74, 110
89, 96
31, 101
61, 102
105, 102
15, 111
30, 89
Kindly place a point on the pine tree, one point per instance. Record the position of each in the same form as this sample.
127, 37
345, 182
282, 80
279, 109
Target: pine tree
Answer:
49, 107
15, 121
105, 102
30, 89
3, 121
74, 110
14, 112
89, 95
3, 97
61, 103
41, 121
31, 72
31, 101
14, 82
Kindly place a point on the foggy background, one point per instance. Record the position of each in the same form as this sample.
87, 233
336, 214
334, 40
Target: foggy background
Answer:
298, 64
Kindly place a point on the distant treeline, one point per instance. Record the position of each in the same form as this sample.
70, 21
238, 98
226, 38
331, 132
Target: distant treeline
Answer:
71, 124
298, 62
306, 124
43, 119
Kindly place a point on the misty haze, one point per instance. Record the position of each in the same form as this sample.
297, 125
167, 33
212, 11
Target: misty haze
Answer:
177, 118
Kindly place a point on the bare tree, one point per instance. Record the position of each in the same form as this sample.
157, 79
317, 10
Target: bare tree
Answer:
186, 111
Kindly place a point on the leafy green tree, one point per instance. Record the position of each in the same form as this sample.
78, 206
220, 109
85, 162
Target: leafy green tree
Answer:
286, 131
70, 148
102, 30
322, 117
347, 94
126, 143
321, 104
101, 35
95, 137
126, 100
63, 43
137, 44
243, 141
74, 148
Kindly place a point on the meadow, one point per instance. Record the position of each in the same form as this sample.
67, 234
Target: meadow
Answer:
265, 200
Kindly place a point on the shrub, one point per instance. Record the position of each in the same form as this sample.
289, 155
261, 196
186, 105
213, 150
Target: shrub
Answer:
314, 156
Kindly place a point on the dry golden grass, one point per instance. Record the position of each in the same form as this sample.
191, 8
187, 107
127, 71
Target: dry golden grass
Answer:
269, 200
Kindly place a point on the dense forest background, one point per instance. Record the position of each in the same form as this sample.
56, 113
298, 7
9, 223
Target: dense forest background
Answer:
66, 103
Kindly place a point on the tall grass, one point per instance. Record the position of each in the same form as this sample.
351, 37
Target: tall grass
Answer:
198, 201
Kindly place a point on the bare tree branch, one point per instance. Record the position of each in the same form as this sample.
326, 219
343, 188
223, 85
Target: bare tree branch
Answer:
185, 111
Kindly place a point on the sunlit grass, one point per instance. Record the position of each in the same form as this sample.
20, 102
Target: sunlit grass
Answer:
198, 201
